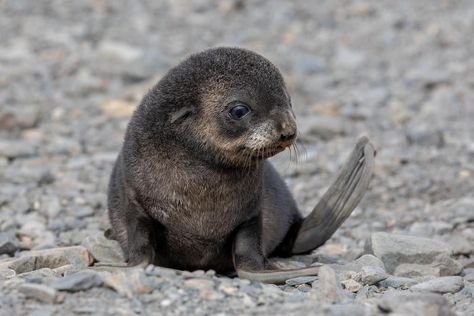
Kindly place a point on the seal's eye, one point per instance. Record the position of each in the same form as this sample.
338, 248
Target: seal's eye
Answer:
238, 111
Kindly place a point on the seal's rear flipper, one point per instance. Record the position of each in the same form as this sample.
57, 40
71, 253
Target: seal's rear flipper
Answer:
277, 276
339, 200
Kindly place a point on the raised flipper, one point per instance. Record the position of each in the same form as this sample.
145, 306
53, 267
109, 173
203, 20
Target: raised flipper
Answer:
339, 200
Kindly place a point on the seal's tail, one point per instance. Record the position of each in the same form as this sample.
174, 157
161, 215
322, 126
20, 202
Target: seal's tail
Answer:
339, 200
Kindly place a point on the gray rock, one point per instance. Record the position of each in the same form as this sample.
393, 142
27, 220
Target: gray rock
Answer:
356, 265
104, 250
370, 275
351, 285
420, 304
7, 274
461, 245
304, 288
413, 270
205, 287
331, 290
301, 280
469, 276
16, 149
40, 292
129, 283
442, 285
79, 281
395, 250
51, 258
397, 282
8, 244
41, 275
19, 118
425, 137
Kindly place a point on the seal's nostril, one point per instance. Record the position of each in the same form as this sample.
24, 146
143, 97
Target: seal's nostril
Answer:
287, 135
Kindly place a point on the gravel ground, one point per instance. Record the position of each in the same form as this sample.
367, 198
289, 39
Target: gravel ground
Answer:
72, 72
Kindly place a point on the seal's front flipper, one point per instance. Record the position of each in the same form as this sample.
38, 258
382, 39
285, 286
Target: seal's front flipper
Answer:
339, 200
250, 263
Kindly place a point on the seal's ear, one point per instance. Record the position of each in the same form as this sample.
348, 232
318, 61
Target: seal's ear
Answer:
181, 114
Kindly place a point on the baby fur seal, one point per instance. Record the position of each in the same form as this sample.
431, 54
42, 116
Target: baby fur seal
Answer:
192, 189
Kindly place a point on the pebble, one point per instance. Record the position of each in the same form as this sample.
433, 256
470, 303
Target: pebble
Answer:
131, 282
16, 149
442, 285
103, 250
395, 250
370, 275
423, 304
329, 286
8, 244
359, 263
79, 281
351, 285
397, 282
40, 292
51, 258
6, 274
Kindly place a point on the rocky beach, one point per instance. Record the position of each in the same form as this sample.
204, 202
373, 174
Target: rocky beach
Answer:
402, 73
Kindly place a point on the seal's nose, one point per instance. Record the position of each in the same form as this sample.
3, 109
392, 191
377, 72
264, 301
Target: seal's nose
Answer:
288, 135
288, 132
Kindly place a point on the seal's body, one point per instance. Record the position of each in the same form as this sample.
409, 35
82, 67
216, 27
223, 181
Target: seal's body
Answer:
191, 188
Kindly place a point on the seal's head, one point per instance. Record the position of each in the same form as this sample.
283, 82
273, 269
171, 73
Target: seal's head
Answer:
227, 105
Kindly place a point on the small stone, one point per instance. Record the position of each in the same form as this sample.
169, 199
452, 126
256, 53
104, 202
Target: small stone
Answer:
370, 275
395, 250
79, 281
40, 275
356, 265
442, 285
6, 274
8, 244
129, 283
205, 287
84, 211
351, 285
51, 258
425, 137
228, 288
104, 250
461, 245
397, 282
301, 280
303, 288
329, 285
422, 304
413, 270
17, 149
469, 277
40, 292
19, 118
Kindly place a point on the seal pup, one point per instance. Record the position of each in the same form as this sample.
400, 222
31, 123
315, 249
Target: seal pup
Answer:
192, 189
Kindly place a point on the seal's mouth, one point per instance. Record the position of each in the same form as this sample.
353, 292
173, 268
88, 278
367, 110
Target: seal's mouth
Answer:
267, 152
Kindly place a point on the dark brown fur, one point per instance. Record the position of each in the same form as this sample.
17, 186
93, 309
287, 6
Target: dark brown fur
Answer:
191, 188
